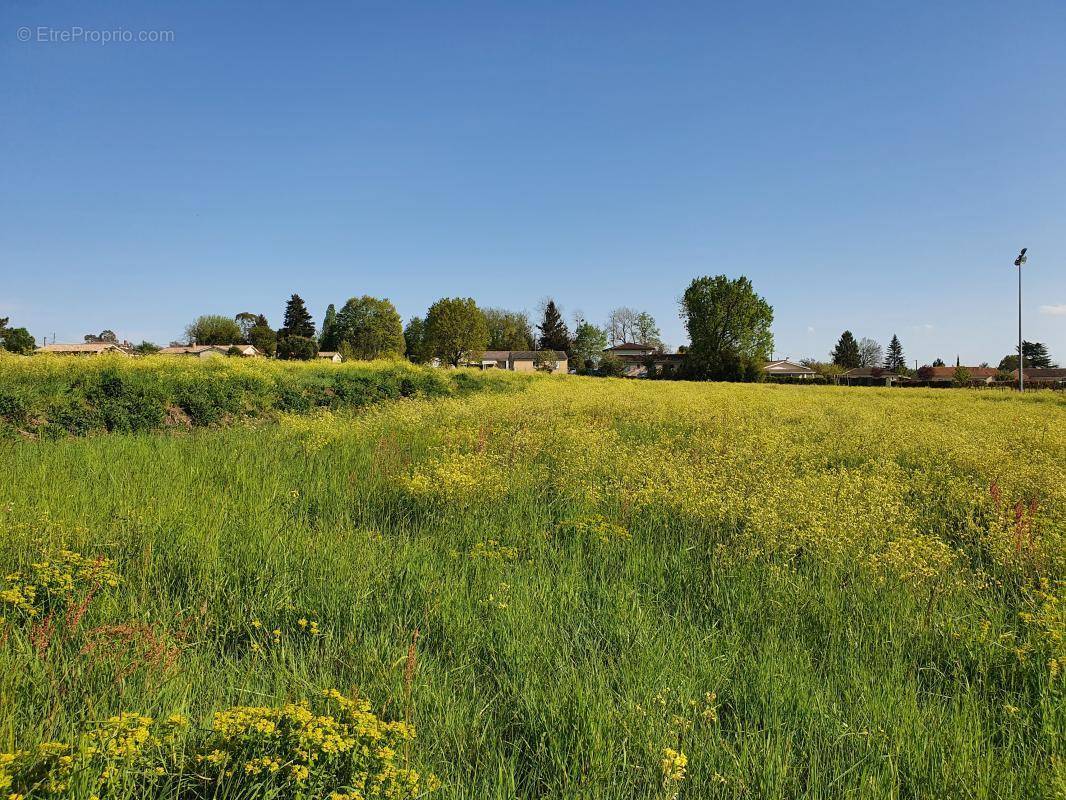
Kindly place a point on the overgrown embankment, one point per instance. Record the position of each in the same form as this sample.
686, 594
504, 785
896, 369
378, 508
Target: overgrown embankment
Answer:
55, 397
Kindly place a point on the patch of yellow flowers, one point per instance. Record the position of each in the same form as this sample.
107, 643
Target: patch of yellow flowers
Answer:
53, 583
916, 486
335, 747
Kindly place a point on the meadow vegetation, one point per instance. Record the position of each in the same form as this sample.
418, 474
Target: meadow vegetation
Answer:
574, 588
53, 397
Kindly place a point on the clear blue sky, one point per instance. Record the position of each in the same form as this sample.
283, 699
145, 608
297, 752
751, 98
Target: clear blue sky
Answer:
872, 166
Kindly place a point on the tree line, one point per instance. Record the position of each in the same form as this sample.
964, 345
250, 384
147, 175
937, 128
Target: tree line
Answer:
851, 353
728, 325
727, 322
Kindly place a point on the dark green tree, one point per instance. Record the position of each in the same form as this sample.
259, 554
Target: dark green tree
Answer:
328, 339
846, 353
456, 330
894, 360
16, 340
553, 331
414, 337
262, 336
103, 337
297, 348
370, 327
297, 320
729, 328
146, 348
1036, 357
939, 362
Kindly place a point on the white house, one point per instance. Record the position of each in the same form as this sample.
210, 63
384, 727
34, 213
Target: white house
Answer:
788, 369
211, 350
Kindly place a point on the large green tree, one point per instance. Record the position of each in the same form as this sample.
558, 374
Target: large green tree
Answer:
414, 337
508, 330
16, 340
105, 336
370, 327
213, 329
729, 327
455, 330
554, 334
1036, 357
894, 360
328, 339
846, 353
297, 321
589, 343
297, 348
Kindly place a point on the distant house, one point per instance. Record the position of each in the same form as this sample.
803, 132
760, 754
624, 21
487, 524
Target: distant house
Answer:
88, 349
947, 374
330, 355
872, 376
522, 360
210, 350
788, 369
635, 358
1043, 376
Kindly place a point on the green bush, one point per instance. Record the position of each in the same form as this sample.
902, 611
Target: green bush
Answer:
13, 409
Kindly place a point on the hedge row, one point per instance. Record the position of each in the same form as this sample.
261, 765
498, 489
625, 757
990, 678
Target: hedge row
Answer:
59, 396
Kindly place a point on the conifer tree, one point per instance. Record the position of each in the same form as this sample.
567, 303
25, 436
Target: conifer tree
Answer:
328, 340
553, 331
846, 353
298, 320
894, 360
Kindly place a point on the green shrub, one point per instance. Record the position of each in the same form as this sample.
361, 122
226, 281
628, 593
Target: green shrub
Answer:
13, 409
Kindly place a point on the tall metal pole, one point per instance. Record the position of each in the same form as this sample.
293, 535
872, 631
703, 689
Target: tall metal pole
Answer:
1021, 355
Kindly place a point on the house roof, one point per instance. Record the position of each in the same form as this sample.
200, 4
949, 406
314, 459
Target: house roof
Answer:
530, 355
88, 347
519, 355
327, 353
200, 348
788, 366
630, 346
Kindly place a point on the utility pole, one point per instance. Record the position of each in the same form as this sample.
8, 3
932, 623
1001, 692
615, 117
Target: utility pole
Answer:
1021, 355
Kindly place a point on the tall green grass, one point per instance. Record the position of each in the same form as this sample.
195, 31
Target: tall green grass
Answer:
564, 667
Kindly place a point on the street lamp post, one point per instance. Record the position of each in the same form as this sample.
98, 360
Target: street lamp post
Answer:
1021, 355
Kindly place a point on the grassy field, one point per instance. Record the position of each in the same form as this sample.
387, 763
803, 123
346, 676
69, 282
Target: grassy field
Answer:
577, 588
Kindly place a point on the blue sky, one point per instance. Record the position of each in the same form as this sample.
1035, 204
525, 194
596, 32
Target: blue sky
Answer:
872, 166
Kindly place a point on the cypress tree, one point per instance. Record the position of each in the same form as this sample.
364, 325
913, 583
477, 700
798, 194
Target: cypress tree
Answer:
553, 332
328, 340
846, 353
